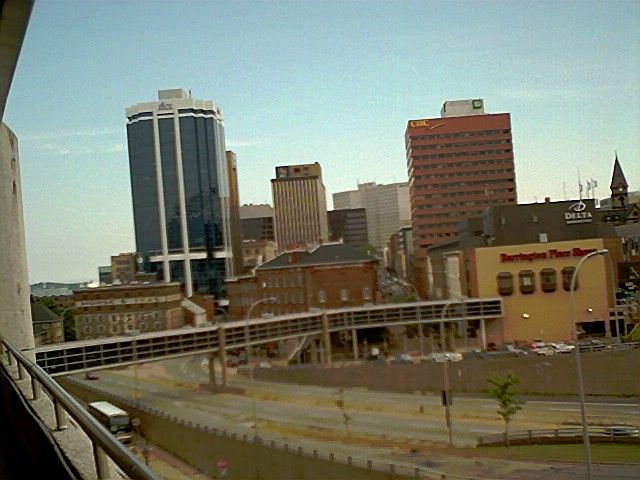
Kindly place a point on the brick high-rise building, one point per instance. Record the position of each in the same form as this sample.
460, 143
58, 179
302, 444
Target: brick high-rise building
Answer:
300, 206
458, 164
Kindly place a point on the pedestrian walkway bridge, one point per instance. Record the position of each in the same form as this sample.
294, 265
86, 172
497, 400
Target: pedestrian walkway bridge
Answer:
72, 357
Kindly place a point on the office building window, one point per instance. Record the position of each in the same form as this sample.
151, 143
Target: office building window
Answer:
344, 294
548, 279
527, 281
567, 273
366, 293
322, 297
505, 283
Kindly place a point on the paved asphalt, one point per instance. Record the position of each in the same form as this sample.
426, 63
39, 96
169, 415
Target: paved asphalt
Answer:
309, 414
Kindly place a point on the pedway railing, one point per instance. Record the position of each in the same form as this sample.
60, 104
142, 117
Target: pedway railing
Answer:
105, 445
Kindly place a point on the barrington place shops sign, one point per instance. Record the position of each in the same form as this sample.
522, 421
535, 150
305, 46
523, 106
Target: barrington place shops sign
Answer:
552, 253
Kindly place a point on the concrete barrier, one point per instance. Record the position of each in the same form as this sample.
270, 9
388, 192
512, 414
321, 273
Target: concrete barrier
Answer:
605, 373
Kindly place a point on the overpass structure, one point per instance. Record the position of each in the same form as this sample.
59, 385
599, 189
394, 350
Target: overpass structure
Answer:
72, 357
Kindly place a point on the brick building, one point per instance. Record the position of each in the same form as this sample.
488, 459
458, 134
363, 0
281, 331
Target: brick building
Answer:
458, 164
118, 309
328, 276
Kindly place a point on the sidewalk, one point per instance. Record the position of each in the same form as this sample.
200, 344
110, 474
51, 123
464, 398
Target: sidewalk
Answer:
166, 465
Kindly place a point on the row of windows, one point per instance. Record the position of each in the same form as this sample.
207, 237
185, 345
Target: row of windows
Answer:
458, 135
474, 173
461, 154
466, 193
461, 144
115, 330
464, 184
432, 166
276, 281
527, 281
344, 295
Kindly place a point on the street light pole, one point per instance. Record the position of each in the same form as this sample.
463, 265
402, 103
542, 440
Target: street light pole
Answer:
249, 361
446, 398
583, 415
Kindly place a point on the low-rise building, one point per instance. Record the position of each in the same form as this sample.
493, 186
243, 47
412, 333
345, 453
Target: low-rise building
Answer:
328, 276
257, 252
527, 254
48, 327
120, 309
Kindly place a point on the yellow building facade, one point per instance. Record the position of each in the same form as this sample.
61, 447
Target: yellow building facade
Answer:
533, 281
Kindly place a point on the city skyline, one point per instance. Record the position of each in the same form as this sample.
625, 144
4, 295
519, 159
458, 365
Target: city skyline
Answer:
333, 83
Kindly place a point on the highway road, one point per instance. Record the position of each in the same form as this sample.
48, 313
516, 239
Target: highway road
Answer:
383, 426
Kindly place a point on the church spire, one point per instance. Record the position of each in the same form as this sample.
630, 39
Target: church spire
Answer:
619, 186
617, 179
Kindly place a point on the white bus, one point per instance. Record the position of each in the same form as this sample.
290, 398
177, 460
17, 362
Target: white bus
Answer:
113, 419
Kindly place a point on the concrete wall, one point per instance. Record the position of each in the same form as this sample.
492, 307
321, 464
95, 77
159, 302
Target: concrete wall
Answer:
605, 373
15, 310
202, 447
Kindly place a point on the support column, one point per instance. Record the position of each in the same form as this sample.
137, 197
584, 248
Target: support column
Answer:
326, 340
213, 385
15, 308
314, 351
452, 336
354, 343
443, 339
483, 335
420, 339
222, 354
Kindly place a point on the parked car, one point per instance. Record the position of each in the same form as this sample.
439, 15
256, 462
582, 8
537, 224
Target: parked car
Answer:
91, 376
622, 431
440, 357
561, 347
540, 347
402, 358
264, 364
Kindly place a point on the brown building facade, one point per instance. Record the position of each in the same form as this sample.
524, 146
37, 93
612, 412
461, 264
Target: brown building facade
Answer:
329, 276
119, 309
234, 213
300, 206
457, 166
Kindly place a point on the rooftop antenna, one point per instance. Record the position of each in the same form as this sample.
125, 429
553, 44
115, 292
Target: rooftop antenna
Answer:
579, 185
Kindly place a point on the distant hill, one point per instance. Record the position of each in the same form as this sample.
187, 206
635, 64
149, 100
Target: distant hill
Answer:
49, 289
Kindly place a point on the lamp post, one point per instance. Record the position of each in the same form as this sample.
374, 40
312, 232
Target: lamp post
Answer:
446, 397
249, 360
583, 416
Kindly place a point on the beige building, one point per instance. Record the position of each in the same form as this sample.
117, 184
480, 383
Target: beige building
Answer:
124, 267
387, 208
300, 206
534, 283
120, 309
234, 213
257, 252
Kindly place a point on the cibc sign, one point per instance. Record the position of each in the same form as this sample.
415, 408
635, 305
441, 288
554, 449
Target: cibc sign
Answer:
578, 213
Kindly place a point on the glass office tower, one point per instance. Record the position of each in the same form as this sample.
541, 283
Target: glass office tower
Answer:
180, 190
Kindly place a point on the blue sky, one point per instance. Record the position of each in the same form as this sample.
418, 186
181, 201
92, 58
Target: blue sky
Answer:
332, 82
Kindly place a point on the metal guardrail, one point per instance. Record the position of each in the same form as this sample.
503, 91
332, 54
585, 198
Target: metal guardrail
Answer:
72, 357
105, 445
609, 432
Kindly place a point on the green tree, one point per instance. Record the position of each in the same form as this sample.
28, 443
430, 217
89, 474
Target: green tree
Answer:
503, 391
